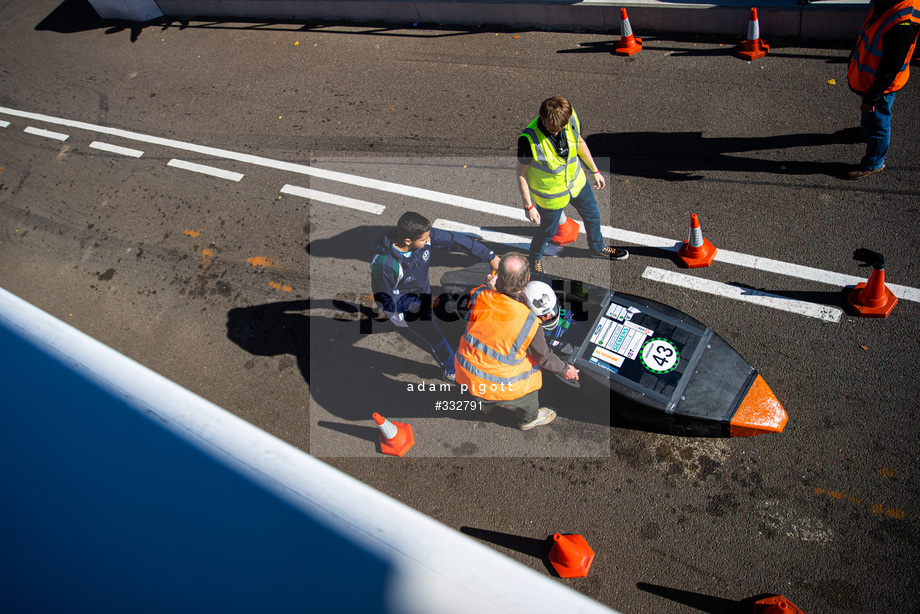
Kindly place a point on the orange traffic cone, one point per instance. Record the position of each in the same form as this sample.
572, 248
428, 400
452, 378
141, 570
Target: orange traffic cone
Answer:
753, 47
628, 44
567, 231
776, 605
872, 298
697, 252
571, 556
395, 437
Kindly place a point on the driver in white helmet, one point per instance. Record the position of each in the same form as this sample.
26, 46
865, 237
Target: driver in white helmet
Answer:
541, 300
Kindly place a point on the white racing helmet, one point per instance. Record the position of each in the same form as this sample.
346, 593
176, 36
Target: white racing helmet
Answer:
541, 300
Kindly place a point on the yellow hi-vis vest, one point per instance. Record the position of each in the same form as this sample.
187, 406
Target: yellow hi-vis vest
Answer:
552, 180
492, 360
868, 55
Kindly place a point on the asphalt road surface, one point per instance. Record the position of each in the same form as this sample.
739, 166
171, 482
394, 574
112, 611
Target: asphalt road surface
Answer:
224, 242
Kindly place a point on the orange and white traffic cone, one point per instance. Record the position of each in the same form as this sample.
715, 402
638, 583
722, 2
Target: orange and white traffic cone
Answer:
873, 299
697, 252
754, 47
776, 605
571, 556
567, 231
395, 437
628, 44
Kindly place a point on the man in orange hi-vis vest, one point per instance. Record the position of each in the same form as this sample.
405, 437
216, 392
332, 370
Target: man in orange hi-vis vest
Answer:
500, 357
879, 67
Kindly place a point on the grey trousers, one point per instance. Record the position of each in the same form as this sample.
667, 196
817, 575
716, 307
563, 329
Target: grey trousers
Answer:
527, 407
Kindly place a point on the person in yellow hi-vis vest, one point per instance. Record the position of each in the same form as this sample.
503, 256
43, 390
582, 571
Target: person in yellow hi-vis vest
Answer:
550, 176
879, 67
500, 357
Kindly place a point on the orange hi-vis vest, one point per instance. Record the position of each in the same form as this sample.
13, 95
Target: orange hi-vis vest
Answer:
868, 55
492, 360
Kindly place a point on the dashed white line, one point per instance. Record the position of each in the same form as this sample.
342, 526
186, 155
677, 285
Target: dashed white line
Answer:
764, 264
812, 310
4, 124
491, 236
47, 134
124, 151
376, 184
334, 199
206, 170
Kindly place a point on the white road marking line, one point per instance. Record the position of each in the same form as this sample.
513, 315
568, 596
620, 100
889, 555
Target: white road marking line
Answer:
47, 133
207, 170
812, 310
4, 124
804, 272
822, 312
694, 283
125, 151
491, 236
334, 199
376, 184
765, 264
756, 262
785, 268
637, 238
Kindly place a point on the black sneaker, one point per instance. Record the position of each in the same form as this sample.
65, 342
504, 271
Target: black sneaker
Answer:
537, 266
610, 253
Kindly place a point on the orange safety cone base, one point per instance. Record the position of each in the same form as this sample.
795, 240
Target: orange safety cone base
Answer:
872, 308
576, 548
776, 605
629, 46
697, 257
753, 50
566, 233
400, 443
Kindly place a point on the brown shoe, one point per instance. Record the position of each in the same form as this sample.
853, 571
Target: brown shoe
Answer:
859, 173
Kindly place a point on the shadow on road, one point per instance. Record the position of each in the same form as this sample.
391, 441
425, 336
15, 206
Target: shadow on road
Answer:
683, 156
346, 376
704, 603
529, 546
73, 16
833, 298
712, 45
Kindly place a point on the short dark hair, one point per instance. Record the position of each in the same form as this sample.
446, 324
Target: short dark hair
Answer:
513, 273
555, 112
411, 226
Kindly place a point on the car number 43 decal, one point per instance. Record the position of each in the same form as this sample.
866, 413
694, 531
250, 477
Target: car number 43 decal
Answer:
659, 356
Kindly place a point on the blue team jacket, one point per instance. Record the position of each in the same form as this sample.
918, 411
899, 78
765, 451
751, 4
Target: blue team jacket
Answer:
399, 280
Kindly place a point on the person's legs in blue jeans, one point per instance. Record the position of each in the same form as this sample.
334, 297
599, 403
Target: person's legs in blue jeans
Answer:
586, 205
549, 223
877, 128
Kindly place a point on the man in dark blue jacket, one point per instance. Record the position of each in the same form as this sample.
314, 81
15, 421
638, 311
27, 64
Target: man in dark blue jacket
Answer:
399, 279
